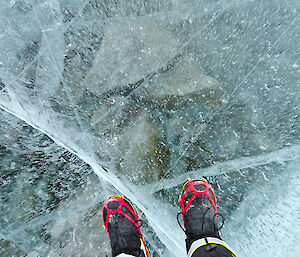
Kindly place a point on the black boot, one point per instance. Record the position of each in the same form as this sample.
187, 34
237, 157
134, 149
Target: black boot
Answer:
121, 222
199, 210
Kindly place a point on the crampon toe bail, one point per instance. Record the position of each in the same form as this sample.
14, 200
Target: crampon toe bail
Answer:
193, 188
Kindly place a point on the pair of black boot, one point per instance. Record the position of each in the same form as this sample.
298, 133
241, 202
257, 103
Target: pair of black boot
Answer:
199, 211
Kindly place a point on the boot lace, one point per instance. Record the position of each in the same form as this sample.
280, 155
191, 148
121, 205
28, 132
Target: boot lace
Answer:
216, 229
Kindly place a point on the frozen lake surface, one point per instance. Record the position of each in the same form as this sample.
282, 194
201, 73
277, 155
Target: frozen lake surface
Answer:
135, 97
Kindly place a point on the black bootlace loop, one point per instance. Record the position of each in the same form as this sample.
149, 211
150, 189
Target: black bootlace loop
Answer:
141, 223
135, 227
217, 229
179, 221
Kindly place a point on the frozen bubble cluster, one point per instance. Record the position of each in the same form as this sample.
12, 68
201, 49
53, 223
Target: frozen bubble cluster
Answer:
134, 97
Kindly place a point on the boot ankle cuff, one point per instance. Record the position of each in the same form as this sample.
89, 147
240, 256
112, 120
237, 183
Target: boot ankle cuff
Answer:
191, 239
207, 242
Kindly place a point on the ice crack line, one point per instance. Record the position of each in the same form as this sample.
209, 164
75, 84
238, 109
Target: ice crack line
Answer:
124, 189
211, 115
283, 155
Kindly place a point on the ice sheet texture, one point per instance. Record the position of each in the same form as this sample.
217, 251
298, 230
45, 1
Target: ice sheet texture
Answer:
150, 93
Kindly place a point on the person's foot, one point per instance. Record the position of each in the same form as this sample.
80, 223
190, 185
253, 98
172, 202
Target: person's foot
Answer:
121, 222
199, 210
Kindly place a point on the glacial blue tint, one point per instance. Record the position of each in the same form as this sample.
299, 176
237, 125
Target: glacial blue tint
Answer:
148, 94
